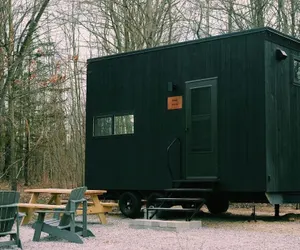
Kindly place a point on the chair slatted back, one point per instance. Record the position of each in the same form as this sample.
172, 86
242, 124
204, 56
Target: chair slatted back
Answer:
76, 195
8, 213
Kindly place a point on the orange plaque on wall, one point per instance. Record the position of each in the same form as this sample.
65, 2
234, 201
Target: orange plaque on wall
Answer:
174, 102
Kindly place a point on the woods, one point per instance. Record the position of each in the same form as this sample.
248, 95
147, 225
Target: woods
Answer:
44, 45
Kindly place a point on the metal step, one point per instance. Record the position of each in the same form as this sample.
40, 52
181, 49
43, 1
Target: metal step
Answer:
202, 179
188, 190
181, 199
172, 209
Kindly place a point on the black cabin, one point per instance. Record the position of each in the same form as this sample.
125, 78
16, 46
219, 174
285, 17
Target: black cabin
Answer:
218, 116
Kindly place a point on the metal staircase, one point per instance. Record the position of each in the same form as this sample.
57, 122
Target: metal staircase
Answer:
190, 194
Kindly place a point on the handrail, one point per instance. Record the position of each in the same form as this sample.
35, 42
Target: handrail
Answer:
168, 152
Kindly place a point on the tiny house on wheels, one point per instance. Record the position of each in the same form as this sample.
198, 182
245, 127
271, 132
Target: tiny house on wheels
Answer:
210, 121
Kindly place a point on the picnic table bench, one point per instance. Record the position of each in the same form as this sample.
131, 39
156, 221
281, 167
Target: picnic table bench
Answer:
95, 206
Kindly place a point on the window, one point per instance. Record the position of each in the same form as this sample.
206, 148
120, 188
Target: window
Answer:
201, 119
102, 126
296, 71
123, 124
114, 125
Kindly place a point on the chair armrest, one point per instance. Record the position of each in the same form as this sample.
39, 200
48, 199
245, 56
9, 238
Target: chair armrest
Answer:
62, 210
50, 211
74, 202
79, 201
53, 211
9, 205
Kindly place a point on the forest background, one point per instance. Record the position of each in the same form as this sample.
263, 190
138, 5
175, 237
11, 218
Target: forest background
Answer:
44, 46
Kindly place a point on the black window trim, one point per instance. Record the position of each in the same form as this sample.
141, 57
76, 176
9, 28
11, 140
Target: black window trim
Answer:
294, 81
103, 116
112, 115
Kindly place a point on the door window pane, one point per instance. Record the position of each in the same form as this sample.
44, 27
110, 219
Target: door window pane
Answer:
201, 103
201, 127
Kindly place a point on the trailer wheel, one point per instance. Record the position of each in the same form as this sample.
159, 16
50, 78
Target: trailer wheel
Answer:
217, 205
130, 204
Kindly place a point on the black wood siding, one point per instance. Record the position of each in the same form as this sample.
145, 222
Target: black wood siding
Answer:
137, 82
282, 119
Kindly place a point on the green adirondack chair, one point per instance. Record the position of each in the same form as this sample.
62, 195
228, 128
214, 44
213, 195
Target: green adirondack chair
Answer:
8, 217
65, 227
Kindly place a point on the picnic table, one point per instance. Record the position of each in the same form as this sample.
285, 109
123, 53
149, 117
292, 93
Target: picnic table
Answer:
95, 206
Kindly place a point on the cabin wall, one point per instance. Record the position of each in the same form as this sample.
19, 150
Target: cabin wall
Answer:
282, 119
132, 162
241, 116
138, 83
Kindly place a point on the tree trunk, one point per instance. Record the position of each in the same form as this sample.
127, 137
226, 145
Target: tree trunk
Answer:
282, 17
12, 152
2, 141
149, 24
257, 13
27, 150
170, 21
230, 15
260, 13
126, 27
6, 153
11, 131
293, 17
207, 17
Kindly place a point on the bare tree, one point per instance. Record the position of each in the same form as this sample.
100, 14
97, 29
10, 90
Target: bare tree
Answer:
294, 10
282, 19
16, 49
126, 25
43, 67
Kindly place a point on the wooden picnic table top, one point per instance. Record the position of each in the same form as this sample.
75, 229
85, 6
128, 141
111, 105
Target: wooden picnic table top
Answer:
62, 191
41, 206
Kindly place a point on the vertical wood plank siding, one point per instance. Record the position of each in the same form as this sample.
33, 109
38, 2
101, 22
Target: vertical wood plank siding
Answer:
258, 114
282, 119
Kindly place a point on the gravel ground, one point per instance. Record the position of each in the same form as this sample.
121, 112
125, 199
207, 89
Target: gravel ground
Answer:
231, 231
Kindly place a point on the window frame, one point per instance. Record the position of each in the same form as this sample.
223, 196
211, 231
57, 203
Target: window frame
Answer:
120, 115
102, 117
112, 116
294, 80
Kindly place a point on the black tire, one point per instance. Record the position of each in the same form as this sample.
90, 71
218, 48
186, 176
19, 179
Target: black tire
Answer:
217, 205
130, 204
